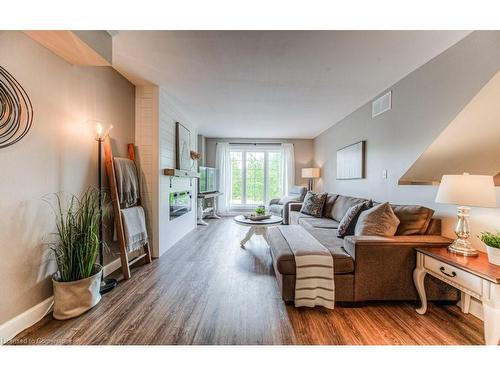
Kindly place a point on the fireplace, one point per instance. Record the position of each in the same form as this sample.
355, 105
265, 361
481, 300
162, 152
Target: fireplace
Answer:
180, 203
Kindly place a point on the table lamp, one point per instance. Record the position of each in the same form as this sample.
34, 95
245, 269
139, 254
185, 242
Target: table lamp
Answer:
466, 190
310, 173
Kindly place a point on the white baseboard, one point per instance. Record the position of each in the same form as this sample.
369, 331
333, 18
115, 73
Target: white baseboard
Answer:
19, 323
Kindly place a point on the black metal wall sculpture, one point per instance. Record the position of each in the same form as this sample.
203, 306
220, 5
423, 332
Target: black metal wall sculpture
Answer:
16, 111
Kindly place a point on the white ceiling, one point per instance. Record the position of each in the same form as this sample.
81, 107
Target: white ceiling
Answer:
266, 84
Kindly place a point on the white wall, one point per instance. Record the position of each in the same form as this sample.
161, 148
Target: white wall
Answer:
58, 154
424, 103
155, 136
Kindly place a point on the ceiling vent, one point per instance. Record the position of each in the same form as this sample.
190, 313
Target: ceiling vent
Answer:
381, 104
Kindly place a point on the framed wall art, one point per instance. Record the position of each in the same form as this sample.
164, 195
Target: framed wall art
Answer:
183, 147
351, 161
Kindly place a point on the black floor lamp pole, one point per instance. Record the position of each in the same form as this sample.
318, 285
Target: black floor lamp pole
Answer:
99, 184
106, 284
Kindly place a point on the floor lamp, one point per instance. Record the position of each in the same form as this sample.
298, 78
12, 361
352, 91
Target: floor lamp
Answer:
310, 173
107, 284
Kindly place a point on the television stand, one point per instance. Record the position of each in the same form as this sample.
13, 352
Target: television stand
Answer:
207, 207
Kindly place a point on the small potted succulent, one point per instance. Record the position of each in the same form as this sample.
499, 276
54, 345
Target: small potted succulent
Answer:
260, 211
492, 242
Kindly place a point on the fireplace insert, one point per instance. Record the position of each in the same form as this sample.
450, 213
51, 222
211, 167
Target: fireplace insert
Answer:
180, 203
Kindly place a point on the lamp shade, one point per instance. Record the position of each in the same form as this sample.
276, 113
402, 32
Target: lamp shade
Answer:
467, 190
310, 172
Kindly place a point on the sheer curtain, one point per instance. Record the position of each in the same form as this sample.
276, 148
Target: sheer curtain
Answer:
223, 165
287, 167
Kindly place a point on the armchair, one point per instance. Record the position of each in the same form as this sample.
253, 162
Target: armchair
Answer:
279, 206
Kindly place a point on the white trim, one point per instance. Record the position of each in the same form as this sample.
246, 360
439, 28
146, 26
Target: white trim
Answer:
19, 323
253, 148
26, 319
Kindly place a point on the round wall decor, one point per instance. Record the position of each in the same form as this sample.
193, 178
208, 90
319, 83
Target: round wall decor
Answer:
16, 111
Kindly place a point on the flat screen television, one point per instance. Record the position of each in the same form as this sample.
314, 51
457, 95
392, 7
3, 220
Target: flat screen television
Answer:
208, 180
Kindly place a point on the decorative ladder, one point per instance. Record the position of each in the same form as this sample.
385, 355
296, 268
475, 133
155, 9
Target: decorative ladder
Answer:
110, 168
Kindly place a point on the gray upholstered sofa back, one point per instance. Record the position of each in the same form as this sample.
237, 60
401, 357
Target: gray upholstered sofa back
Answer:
297, 191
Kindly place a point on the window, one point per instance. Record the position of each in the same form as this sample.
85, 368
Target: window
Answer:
255, 175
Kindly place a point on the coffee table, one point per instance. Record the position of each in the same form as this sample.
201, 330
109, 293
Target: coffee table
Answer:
257, 227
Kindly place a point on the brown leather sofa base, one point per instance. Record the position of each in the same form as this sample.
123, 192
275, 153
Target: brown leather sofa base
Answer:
435, 289
367, 268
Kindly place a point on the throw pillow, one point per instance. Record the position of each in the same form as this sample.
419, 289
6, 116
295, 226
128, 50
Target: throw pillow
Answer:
377, 221
313, 204
348, 222
412, 219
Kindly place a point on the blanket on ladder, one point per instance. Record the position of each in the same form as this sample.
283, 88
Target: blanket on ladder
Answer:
314, 283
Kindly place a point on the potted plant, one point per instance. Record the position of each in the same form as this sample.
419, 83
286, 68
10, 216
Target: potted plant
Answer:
492, 242
77, 280
260, 211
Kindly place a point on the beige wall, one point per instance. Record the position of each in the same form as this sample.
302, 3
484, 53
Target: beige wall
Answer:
58, 154
423, 104
303, 152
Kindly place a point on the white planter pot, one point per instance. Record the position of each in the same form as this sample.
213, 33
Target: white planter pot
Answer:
73, 298
493, 255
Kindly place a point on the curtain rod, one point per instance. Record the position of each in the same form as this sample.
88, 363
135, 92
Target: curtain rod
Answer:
255, 143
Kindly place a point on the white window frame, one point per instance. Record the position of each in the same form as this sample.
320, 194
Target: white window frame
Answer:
253, 148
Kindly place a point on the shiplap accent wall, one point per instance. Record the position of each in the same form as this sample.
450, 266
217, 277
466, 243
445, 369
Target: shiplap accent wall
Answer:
172, 231
167, 132
146, 139
156, 117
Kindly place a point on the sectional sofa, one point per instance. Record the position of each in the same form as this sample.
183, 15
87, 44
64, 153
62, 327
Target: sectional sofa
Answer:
367, 268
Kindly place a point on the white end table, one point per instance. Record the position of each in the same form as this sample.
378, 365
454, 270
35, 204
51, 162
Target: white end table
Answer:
257, 227
473, 276
210, 212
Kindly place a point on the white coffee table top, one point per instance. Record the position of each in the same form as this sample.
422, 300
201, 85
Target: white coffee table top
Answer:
273, 220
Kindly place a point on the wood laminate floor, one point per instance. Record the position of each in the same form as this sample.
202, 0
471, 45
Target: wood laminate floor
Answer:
206, 290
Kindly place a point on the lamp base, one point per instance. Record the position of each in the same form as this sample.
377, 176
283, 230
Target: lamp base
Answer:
462, 247
107, 285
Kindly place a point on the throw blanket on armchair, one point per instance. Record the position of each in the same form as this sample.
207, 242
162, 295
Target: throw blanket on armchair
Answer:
314, 283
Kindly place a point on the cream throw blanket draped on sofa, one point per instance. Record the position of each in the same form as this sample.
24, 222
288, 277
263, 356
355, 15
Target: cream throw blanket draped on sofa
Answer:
314, 282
